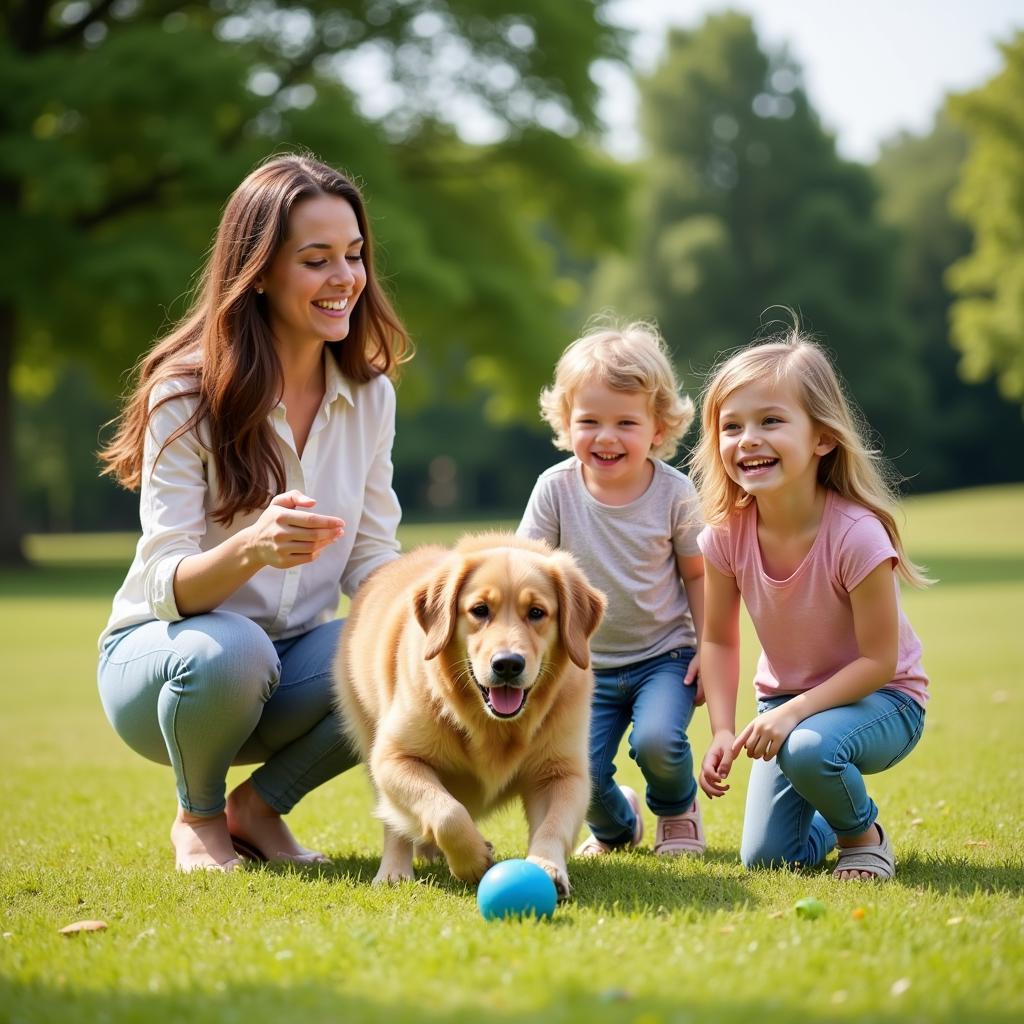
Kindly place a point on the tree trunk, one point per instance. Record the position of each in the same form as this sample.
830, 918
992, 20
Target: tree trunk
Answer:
24, 24
10, 526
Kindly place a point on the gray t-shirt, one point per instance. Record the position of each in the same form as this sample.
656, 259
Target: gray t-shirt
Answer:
627, 551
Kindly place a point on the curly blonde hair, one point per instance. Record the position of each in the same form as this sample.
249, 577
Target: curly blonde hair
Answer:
632, 358
853, 468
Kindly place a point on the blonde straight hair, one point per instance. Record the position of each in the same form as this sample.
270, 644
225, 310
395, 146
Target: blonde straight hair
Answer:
853, 469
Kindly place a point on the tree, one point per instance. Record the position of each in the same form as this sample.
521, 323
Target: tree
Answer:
746, 206
988, 316
975, 436
126, 123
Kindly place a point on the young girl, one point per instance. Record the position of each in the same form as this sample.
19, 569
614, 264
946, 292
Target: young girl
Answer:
801, 525
631, 522
270, 399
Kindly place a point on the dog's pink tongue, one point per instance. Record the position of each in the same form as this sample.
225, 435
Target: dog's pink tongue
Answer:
507, 700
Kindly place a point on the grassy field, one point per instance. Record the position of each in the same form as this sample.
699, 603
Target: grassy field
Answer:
85, 825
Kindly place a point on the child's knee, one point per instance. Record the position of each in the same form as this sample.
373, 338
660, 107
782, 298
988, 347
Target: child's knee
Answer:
802, 755
659, 753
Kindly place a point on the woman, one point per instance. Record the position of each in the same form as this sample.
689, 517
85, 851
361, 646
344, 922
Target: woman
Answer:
259, 435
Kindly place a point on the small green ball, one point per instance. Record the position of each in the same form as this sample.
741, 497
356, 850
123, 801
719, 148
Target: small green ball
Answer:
809, 907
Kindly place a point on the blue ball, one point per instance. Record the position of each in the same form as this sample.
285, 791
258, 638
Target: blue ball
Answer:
516, 888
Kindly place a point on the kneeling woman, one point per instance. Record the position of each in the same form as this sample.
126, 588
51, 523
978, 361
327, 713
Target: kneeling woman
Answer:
259, 434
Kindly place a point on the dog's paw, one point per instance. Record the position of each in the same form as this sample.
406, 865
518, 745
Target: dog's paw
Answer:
471, 871
469, 855
472, 863
557, 874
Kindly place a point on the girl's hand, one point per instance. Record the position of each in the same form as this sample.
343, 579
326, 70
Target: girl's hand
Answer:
763, 737
714, 769
692, 677
286, 534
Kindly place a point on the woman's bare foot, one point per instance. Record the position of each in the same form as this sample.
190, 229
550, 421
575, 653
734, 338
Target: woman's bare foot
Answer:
202, 843
870, 837
253, 820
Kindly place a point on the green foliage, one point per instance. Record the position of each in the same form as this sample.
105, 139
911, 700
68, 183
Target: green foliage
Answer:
122, 152
988, 316
125, 126
748, 207
85, 823
448, 459
57, 436
976, 436
117, 182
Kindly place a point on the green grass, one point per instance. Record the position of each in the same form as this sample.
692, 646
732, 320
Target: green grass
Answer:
84, 835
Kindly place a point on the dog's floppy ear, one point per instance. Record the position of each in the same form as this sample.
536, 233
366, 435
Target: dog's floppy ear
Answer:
436, 603
580, 608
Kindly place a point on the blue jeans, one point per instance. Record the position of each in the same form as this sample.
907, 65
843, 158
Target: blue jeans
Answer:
213, 690
814, 789
652, 695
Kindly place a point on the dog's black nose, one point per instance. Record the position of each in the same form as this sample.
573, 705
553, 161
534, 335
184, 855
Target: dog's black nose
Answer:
506, 665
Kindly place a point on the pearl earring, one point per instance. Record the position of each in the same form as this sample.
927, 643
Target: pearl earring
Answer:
259, 291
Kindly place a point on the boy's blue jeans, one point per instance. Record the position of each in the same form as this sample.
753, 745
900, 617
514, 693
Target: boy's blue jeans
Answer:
213, 690
814, 790
652, 695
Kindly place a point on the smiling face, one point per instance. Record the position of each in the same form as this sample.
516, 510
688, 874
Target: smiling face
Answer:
503, 615
317, 276
767, 440
508, 625
612, 433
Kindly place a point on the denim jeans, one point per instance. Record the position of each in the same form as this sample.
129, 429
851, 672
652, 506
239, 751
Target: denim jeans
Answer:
814, 789
213, 690
652, 695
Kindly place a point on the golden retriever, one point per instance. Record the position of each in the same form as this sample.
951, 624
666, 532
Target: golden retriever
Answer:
464, 681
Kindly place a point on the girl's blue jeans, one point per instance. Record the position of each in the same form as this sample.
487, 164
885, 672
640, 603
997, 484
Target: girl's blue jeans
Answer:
652, 695
814, 789
213, 690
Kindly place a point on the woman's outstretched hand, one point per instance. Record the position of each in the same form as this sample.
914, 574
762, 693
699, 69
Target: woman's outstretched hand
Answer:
288, 534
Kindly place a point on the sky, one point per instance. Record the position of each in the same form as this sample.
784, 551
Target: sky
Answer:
872, 68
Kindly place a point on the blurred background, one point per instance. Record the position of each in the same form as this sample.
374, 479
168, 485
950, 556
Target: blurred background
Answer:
527, 164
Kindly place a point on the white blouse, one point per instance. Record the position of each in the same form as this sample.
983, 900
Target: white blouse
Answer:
345, 465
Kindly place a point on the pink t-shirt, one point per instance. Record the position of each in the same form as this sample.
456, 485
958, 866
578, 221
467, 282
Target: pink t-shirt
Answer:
805, 622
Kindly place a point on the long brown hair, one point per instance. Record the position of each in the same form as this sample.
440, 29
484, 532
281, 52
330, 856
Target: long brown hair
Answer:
223, 348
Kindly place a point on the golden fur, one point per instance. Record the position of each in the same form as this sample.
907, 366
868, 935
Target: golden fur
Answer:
425, 633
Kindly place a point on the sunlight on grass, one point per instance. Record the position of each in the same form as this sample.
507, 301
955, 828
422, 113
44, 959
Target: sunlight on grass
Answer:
85, 836
105, 549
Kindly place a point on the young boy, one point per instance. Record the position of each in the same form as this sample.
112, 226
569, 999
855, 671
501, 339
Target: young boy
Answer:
631, 521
